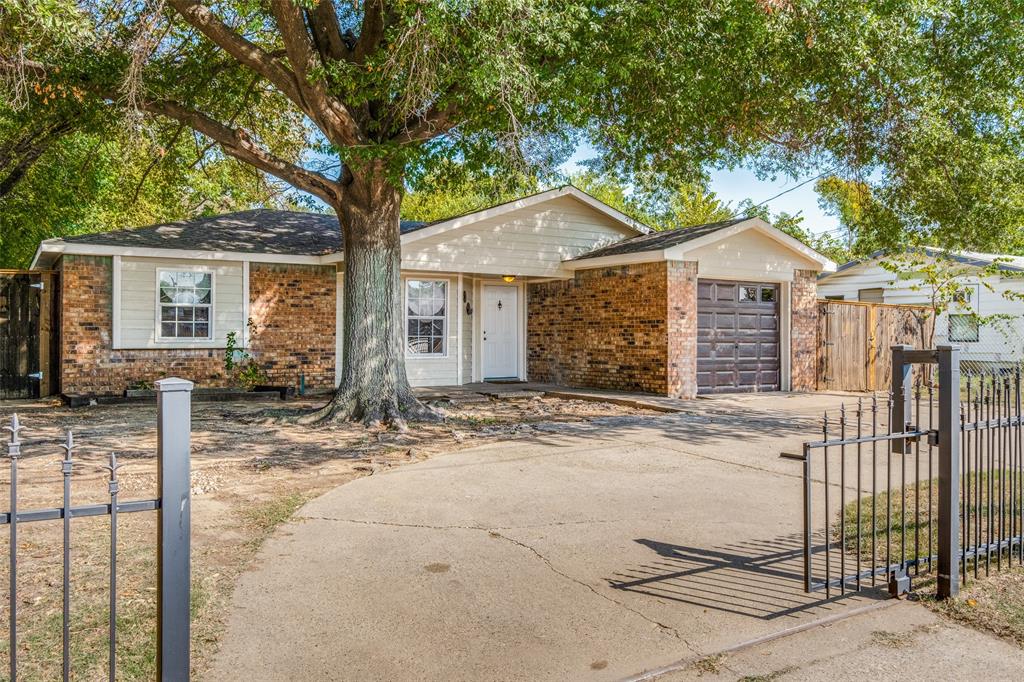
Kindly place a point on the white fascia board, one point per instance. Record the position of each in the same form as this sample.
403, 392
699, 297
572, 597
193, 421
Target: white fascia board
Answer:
853, 269
39, 254
679, 251
618, 259
525, 202
59, 248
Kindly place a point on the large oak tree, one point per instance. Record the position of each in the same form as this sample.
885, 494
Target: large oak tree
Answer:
912, 95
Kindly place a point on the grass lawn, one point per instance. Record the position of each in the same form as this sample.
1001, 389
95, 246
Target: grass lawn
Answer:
248, 477
994, 602
918, 508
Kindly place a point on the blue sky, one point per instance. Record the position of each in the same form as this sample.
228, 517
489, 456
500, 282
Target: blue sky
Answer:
739, 184
733, 186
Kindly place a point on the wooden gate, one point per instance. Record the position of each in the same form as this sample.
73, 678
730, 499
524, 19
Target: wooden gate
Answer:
28, 342
854, 339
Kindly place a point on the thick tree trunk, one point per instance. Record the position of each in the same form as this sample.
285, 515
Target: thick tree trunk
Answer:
374, 387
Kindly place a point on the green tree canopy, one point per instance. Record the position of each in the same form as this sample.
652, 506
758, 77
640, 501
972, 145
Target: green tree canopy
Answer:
924, 96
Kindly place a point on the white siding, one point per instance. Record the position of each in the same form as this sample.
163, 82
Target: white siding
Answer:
528, 242
1001, 340
469, 286
750, 255
137, 301
436, 371
427, 371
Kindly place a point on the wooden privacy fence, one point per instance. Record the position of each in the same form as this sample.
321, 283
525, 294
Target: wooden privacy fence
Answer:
29, 333
855, 338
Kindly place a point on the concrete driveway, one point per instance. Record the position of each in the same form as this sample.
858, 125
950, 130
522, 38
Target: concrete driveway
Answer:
592, 551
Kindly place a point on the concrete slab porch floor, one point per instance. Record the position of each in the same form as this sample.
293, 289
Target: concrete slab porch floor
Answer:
588, 551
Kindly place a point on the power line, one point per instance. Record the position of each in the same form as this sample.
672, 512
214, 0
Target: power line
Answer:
795, 187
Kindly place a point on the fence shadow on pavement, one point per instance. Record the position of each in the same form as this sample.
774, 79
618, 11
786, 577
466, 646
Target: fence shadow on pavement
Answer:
756, 578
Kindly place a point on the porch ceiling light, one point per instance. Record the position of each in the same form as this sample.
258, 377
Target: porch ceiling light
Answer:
509, 278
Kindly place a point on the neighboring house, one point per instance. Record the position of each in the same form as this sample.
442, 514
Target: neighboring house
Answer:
555, 287
988, 324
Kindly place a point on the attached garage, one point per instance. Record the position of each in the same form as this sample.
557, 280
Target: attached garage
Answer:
718, 308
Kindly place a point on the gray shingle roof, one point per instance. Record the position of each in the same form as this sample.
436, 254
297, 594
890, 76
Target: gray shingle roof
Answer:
1002, 261
657, 241
293, 233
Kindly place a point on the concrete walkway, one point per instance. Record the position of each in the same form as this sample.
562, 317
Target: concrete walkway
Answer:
593, 551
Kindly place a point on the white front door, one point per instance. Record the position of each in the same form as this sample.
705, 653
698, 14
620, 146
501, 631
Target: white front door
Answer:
500, 320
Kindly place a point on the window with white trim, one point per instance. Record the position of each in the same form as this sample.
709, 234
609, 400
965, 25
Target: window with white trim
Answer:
185, 305
426, 316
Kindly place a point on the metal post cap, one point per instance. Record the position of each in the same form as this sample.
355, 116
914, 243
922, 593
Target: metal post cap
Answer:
171, 384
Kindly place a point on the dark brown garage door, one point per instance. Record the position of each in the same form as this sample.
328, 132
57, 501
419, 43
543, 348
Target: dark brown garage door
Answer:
737, 336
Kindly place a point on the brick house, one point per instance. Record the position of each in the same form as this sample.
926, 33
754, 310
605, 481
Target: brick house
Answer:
555, 287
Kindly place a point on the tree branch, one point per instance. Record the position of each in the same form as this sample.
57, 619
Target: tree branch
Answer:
238, 144
434, 123
372, 30
18, 157
331, 115
246, 52
327, 32
234, 141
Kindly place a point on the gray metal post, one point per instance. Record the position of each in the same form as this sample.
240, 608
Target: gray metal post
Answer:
807, 519
949, 471
902, 390
174, 425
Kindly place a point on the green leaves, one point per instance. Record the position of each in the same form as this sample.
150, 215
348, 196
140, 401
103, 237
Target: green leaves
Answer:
918, 102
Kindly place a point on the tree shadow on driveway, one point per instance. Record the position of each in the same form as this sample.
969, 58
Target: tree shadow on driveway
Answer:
754, 578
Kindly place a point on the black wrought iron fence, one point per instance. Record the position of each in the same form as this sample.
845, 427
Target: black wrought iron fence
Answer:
173, 508
928, 479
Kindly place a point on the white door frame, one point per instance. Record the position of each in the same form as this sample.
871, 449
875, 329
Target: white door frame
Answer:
477, 296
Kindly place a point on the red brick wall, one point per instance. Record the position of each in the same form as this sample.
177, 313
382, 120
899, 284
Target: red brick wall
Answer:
293, 311
611, 327
682, 329
292, 307
804, 326
89, 364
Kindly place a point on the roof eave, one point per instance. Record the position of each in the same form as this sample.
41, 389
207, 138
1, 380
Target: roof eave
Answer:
43, 258
51, 249
614, 260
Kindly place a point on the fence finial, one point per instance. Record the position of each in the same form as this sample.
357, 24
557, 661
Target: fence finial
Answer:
68, 444
14, 429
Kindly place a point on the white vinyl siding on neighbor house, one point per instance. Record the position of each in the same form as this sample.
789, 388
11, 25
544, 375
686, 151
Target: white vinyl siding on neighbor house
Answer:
532, 241
749, 255
999, 341
137, 302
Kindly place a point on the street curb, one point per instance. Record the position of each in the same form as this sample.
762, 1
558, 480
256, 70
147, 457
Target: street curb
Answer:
685, 663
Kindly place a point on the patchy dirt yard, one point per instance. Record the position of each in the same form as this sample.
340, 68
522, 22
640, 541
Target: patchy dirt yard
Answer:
249, 475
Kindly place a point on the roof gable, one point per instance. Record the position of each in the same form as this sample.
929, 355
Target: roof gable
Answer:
676, 244
629, 224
